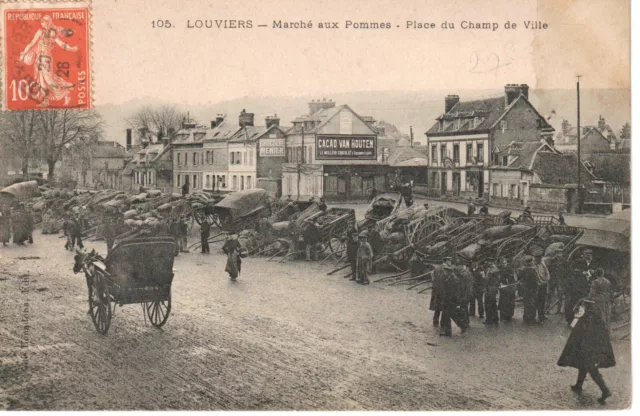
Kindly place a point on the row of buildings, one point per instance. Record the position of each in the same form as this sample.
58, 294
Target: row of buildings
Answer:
499, 148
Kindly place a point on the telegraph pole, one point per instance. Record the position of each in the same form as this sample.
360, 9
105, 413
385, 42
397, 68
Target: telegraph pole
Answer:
411, 134
300, 164
579, 210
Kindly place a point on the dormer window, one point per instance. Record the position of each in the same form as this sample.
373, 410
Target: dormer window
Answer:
503, 125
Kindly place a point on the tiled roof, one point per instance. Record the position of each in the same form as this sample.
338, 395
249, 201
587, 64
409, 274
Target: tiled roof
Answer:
222, 132
523, 152
248, 133
400, 154
554, 168
191, 135
491, 109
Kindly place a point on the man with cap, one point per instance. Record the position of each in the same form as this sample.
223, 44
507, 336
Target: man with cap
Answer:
478, 290
352, 250
437, 290
528, 288
507, 304
542, 274
452, 298
586, 263
492, 283
365, 254
471, 208
526, 215
466, 280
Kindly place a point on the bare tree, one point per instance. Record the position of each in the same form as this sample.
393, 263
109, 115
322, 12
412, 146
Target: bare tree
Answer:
19, 131
61, 129
161, 121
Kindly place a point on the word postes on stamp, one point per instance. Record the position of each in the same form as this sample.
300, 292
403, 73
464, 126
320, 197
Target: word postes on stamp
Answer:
46, 61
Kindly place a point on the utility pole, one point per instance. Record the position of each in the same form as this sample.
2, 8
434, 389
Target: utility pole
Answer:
300, 160
579, 210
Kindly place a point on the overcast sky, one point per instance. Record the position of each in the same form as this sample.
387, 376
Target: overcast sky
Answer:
133, 60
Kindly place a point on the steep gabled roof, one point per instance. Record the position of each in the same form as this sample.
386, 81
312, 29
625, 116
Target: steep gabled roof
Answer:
523, 153
401, 154
559, 168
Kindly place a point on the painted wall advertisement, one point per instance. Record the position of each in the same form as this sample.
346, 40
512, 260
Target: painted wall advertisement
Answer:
335, 147
271, 147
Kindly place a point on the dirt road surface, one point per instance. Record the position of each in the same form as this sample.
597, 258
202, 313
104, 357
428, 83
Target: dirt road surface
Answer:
285, 336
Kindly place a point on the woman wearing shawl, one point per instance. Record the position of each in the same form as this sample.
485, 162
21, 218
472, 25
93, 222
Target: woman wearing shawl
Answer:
232, 249
588, 348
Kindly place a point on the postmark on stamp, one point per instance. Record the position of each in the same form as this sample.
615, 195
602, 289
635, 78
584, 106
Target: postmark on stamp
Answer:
46, 56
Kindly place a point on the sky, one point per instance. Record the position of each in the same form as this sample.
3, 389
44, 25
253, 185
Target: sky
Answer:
131, 59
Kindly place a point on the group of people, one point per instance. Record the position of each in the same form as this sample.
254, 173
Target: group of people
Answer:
460, 290
16, 222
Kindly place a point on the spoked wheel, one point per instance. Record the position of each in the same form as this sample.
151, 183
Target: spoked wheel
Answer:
99, 303
158, 311
426, 230
510, 248
337, 244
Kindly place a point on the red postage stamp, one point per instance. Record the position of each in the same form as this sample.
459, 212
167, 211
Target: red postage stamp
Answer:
46, 61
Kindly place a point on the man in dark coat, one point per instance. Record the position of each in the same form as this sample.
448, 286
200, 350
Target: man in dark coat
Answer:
452, 298
352, 250
528, 288
492, 283
588, 349
466, 280
478, 291
205, 229
310, 238
75, 230
437, 290
185, 189
576, 289
507, 304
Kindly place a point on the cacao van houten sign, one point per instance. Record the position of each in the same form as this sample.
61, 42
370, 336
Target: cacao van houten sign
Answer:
345, 147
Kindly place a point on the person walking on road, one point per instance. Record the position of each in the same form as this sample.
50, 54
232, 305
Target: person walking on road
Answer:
234, 263
205, 229
588, 348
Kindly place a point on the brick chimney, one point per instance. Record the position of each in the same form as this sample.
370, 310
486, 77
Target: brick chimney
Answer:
450, 101
601, 123
513, 91
314, 105
566, 126
245, 119
273, 120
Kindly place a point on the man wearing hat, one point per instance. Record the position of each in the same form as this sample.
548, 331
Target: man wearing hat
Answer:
478, 290
365, 254
492, 283
452, 298
437, 290
352, 250
542, 274
526, 215
466, 280
471, 208
507, 304
528, 287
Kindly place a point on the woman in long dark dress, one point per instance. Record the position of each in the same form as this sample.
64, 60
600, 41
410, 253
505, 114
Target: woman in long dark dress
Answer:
589, 348
232, 250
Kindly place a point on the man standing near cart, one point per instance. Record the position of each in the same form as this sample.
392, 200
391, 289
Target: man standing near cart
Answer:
365, 255
205, 229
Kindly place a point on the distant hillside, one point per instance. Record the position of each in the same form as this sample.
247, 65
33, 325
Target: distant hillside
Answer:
402, 109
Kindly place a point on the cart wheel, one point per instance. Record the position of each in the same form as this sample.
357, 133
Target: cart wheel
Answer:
337, 243
99, 303
426, 230
158, 311
511, 248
